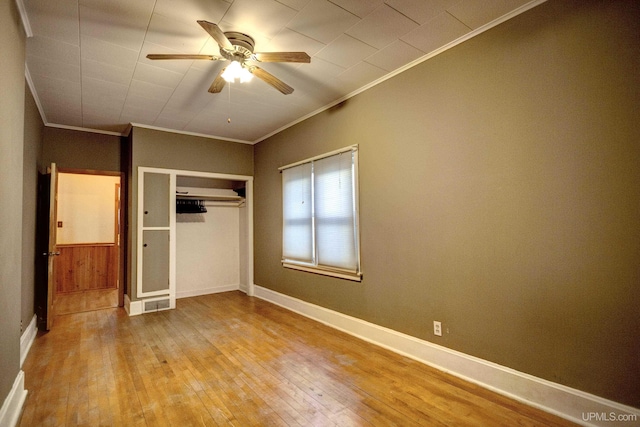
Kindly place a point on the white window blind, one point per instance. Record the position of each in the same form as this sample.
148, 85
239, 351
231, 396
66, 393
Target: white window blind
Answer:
297, 212
320, 215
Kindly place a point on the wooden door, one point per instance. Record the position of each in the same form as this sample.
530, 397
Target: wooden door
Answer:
46, 250
53, 250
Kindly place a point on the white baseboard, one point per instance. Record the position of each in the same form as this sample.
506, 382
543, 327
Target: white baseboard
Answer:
243, 287
574, 405
12, 406
133, 308
27, 339
206, 291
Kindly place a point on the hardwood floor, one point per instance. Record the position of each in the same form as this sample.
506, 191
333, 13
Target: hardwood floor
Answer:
228, 359
88, 300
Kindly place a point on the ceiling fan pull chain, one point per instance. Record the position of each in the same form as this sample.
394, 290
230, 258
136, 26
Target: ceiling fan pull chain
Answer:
229, 105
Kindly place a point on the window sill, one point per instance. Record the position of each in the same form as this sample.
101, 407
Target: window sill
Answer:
341, 274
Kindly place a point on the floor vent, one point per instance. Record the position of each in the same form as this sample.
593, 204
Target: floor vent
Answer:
156, 305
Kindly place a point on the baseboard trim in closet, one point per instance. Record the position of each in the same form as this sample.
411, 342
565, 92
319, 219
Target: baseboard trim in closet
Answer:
206, 291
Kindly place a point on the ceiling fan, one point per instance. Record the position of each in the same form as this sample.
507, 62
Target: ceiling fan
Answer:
238, 48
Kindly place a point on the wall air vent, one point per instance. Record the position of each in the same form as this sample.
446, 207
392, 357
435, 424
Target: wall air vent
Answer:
158, 304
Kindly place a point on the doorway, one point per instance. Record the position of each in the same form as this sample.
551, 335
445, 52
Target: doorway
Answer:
88, 220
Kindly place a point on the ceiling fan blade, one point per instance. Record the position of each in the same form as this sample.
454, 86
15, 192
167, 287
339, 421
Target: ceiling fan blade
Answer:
217, 34
282, 57
180, 56
218, 83
272, 80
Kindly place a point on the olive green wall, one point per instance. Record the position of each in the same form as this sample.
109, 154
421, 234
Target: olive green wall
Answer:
75, 149
154, 148
33, 128
499, 194
12, 43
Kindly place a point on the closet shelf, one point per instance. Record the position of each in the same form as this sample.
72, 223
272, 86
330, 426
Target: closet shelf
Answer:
209, 195
209, 198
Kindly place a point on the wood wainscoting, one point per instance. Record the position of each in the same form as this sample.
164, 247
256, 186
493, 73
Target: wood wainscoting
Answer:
87, 266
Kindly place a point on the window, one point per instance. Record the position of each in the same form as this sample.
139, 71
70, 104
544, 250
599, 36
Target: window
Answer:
320, 215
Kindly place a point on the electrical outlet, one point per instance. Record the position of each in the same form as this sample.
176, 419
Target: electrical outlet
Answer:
437, 328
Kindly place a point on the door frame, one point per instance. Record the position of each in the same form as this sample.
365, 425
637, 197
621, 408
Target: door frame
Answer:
120, 237
249, 287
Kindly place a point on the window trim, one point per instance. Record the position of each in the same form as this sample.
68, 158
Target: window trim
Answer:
320, 157
355, 275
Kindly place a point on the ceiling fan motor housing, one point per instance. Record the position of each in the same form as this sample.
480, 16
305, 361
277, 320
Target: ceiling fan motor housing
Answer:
243, 46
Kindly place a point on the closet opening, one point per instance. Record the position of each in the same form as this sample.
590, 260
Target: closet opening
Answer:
212, 222
207, 250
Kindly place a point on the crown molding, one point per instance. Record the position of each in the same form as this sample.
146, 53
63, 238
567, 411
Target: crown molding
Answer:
26, 25
182, 132
83, 129
32, 88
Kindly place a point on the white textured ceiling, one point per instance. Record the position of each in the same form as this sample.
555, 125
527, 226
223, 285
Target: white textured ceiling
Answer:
86, 59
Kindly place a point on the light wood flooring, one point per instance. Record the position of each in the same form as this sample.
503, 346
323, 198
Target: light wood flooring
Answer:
231, 360
88, 300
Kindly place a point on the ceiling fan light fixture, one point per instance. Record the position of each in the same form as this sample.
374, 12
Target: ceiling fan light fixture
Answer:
237, 71
238, 48
245, 75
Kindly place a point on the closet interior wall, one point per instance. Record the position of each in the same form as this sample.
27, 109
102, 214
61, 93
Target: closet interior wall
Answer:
210, 249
